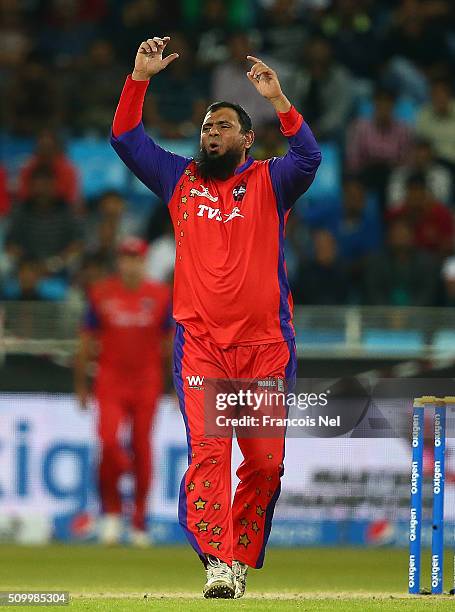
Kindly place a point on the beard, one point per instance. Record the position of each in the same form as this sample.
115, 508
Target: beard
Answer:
218, 166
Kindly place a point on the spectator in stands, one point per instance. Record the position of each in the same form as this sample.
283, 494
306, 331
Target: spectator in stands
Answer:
282, 30
43, 227
416, 38
320, 83
229, 83
438, 178
374, 147
349, 27
322, 279
177, 104
431, 222
212, 31
33, 100
95, 101
49, 153
269, 142
402, 274
30, 285
65, 37
140, 17
436, 122
106, 226
353, 220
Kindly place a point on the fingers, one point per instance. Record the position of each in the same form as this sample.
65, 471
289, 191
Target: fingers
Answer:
259, 68
154, 45
170, 58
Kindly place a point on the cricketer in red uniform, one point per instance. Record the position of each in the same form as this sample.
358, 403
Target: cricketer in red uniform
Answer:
232, 302
129, 316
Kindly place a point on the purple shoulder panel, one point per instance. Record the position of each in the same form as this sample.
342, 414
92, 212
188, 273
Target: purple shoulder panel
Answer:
157, 168
293, 173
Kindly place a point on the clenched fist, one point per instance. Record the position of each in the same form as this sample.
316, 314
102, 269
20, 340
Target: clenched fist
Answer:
149, 58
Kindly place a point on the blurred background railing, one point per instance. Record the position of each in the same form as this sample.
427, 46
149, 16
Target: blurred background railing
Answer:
338, 332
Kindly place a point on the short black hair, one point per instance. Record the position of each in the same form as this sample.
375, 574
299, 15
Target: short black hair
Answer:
246, 125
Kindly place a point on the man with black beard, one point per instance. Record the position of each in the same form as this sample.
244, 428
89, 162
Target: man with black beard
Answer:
232, 302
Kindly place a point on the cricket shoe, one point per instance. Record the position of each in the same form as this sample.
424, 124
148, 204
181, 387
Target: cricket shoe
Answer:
220, 580
240, 571
110, 529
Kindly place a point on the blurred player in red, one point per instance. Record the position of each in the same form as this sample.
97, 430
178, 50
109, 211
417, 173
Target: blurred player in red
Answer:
232, 302
127, 325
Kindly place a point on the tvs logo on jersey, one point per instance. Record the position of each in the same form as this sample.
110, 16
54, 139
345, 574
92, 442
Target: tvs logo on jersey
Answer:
195, 382
215, 213
238, 192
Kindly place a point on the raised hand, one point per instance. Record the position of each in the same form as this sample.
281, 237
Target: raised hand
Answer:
149, 58
267, 84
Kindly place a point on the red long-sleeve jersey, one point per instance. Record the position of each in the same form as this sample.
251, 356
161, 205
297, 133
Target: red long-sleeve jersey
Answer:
230, 281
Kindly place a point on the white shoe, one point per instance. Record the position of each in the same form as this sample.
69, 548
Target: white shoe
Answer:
220, 580
240, 573
139, 538
110, 529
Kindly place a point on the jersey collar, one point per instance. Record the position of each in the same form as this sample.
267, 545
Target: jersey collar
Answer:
244, 166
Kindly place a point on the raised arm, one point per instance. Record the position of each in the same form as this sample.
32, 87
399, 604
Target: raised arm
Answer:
293, 173
157, 168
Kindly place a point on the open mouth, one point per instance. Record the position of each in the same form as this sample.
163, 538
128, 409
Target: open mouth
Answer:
214, 147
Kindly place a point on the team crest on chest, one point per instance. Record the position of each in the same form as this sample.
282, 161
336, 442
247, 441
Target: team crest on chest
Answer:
238, 192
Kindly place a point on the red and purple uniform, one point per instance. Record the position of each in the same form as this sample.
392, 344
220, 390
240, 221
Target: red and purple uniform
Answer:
233, 310
130, 326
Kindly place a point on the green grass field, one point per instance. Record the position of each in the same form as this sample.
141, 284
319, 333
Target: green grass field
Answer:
172, 578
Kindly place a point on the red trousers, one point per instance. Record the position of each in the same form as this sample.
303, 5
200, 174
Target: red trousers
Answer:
117, 404
216, 524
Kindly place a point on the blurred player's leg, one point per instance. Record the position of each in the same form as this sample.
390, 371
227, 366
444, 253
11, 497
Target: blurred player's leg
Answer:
114, 460
143, 408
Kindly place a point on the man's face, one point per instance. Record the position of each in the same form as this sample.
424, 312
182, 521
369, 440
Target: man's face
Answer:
131, 267
221, 132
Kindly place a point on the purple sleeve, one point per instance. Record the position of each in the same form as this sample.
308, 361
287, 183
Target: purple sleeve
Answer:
157, 168
293, 173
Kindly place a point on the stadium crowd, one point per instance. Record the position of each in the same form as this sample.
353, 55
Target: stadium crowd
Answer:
373, 78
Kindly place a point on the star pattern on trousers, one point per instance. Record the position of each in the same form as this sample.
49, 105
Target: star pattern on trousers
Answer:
217, 530
193, 455
191, 486
185, 217
269, 492
244, 522
269, 477
259, 511
207, 484
214, 544
255, 527
197, 465
270, 456
244, 540
187, 172
213, 461
258, 491
184, 200
216, 506
246, 506
200, 503
192, 179
202, 525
